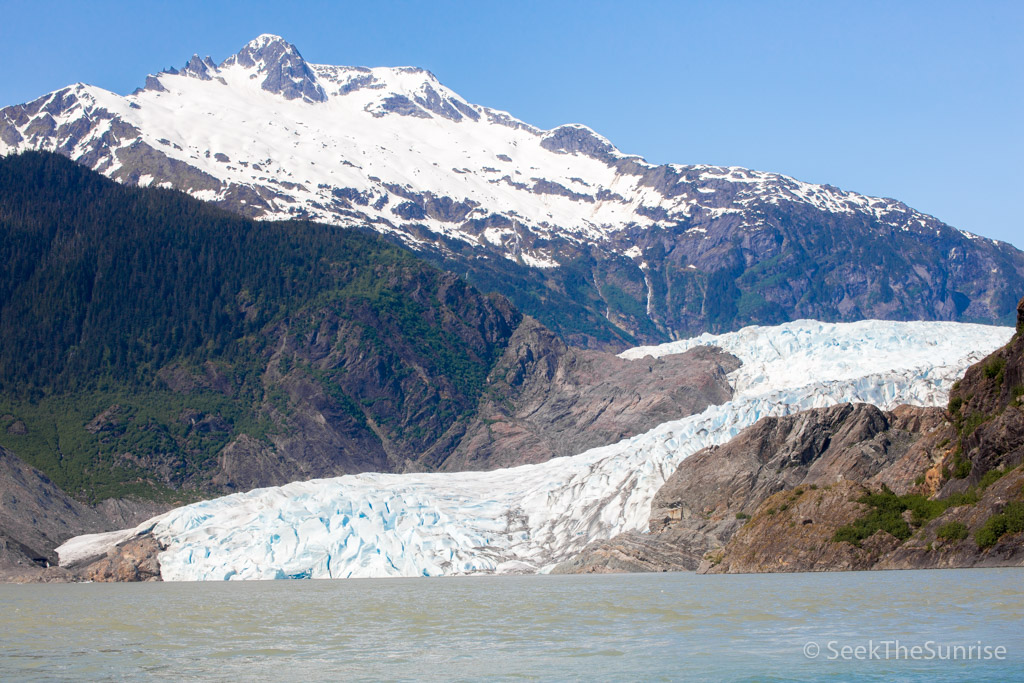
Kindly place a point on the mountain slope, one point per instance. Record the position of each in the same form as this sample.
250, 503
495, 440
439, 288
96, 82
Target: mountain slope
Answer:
155, 345
599, 245
36, 517
849, 487
144, 332
528, 518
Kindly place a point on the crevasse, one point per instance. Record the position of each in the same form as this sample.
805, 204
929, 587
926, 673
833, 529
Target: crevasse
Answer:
527, 518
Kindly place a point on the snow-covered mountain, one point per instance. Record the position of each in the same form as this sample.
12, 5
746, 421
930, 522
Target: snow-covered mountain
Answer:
527, 518
576, 223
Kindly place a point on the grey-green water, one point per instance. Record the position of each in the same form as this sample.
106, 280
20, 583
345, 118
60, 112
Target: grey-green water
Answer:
620, 627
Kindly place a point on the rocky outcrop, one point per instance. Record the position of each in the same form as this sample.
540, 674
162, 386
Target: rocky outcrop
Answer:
715, 491
284, 70
36, 517
545, 399
850, 487
634, 552
795, 531
133, 560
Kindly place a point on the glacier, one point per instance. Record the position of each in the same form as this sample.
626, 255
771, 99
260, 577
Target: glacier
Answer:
526, 519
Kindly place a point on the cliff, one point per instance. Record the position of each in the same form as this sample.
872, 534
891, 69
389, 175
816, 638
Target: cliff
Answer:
849, 487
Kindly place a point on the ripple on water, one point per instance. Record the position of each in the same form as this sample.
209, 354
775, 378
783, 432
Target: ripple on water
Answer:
668, 626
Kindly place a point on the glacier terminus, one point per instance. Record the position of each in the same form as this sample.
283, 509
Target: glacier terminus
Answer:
526, 519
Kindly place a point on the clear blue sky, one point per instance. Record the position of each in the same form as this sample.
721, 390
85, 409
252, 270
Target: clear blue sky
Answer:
921, 101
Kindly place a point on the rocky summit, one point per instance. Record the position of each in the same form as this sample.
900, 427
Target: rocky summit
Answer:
601, 246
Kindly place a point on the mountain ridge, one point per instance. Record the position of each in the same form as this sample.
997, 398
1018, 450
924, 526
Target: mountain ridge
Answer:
601, 246
158, 346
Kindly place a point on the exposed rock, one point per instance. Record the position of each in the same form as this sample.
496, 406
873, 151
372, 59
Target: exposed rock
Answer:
285, 71
774, 498
125, 513
401, 105
36, 517
631, 552
712, 493
545, 399
132, 560
792, 531
578, 139
105, 421
197, 68
140, 159
779, 539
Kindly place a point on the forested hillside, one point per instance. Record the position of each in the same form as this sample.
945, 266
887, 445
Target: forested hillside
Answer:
170, 328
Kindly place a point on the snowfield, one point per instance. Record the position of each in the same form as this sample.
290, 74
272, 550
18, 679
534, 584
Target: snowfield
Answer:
374, 138
526, 519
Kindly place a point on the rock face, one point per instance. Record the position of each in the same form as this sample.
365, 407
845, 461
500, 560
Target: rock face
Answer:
850, 487
133, 560
713, 492
285, 72
545, 399
794, 531
36, 517
602, 247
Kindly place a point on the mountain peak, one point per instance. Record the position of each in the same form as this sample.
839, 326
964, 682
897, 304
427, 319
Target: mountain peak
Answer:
287, 73
198, 68
264, 39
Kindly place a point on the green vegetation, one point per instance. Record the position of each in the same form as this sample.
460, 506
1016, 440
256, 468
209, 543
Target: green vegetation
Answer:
742, 515
991, 477
886, 514
967, 426
108, 284
1009, 521
995, 369
961, 466
184, 432
952, 531
167, 307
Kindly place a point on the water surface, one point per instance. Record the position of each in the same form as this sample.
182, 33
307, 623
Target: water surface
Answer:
617, 627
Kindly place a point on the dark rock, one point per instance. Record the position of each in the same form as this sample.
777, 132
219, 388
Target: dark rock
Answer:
541, 186
627, 553
198, 68
140, 158
358, 83
578, 139
403, 106
106, 421
545, 399
431, 100
36, 517
285, 71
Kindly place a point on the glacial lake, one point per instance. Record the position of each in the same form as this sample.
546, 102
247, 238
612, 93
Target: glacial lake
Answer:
965, 624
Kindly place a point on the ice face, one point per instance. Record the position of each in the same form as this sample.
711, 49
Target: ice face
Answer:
530, 517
